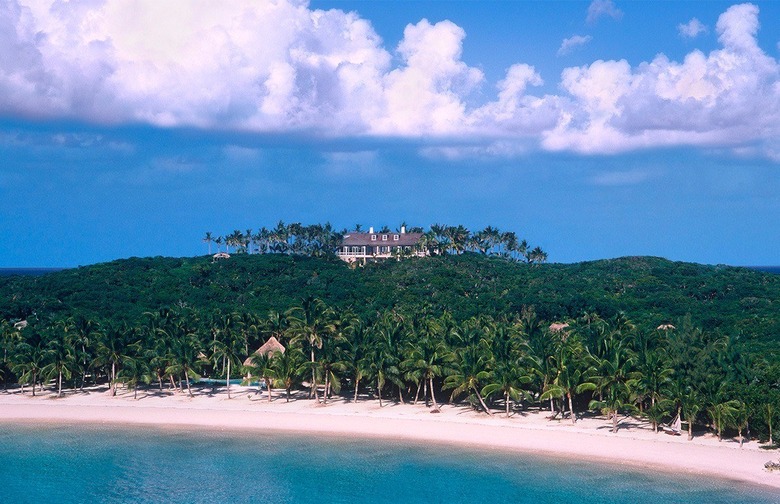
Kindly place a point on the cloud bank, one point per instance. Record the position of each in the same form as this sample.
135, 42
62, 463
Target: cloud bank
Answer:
278, 66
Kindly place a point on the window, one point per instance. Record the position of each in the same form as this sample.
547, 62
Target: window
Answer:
395, 237
384, 237
373, 237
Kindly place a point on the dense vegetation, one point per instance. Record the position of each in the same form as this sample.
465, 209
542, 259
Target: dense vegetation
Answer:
319, 240
641, 335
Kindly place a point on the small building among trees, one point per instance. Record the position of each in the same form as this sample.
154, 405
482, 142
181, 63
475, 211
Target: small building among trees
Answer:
372, 246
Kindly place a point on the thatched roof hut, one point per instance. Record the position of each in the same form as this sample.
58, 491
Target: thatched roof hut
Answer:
558, 326
269, 347
665, 327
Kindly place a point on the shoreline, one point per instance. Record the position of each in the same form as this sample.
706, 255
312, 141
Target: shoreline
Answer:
531, 432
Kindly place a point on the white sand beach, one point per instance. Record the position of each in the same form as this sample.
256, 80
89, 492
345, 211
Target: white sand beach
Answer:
533, 432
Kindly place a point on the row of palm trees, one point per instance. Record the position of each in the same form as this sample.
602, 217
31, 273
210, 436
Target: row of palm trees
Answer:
319, 240
573, 368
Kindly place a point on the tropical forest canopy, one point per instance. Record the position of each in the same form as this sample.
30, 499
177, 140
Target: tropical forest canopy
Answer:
637, 334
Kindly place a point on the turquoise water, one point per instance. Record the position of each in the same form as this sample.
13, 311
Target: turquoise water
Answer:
75, 464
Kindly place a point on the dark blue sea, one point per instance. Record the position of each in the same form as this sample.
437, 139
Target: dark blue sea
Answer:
767, 269
27, 271
104, 464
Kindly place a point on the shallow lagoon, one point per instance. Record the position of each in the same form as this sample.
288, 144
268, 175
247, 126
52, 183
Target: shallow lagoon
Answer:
69, 464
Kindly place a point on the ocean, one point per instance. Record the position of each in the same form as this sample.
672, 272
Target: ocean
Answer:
27, 271
104, 464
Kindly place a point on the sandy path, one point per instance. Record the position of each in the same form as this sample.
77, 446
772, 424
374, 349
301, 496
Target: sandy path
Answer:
589, 439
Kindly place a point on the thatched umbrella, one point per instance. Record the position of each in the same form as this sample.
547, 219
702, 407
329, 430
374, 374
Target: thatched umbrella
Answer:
268, 348
665, 327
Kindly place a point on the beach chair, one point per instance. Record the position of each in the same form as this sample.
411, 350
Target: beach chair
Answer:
673, 428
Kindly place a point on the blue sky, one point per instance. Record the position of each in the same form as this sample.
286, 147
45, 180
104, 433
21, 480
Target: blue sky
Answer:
594, 129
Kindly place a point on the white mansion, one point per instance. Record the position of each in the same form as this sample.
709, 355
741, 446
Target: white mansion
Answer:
371, 246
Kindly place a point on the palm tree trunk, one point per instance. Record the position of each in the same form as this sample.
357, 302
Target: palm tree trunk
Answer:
433, 396
614, 421
187, 377
313, 378
357, 385
400, 394
508, 404
379, 392
690, 430
113, 378
484, 406
227, 378
59, 383
327, 385
268, 387
417, 395
571, 409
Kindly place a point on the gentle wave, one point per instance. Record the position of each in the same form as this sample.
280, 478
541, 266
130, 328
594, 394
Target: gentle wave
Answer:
75, 463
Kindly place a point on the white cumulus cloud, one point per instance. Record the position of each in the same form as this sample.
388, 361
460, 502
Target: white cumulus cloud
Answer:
573, 42
727, 97
600, 8
692, 28
278, 66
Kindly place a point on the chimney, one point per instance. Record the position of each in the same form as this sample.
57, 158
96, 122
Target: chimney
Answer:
371, 230
403, 229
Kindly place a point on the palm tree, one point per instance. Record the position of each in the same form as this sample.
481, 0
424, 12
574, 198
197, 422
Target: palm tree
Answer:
185, 355
358, 346
333, 360
427, 358
310, 323
653, 375
511, 366
740, 420
723, 415
507, 379
572, 370
384, 358
691, 405
60, 357
83, 334
262, 366
616, 384
769, 413
537, 256
135, 368
208, 239
112, 349
288, 367
229, 351
469, 373
10, 338
28, 362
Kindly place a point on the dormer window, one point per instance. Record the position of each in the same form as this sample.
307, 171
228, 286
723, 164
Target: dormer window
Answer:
384, 237
373, 237
395, 237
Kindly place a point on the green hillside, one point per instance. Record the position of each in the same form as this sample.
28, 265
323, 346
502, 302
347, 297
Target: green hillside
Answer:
462, 325
649, 290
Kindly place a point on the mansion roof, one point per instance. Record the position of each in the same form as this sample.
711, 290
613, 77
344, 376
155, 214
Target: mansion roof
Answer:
373, 239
